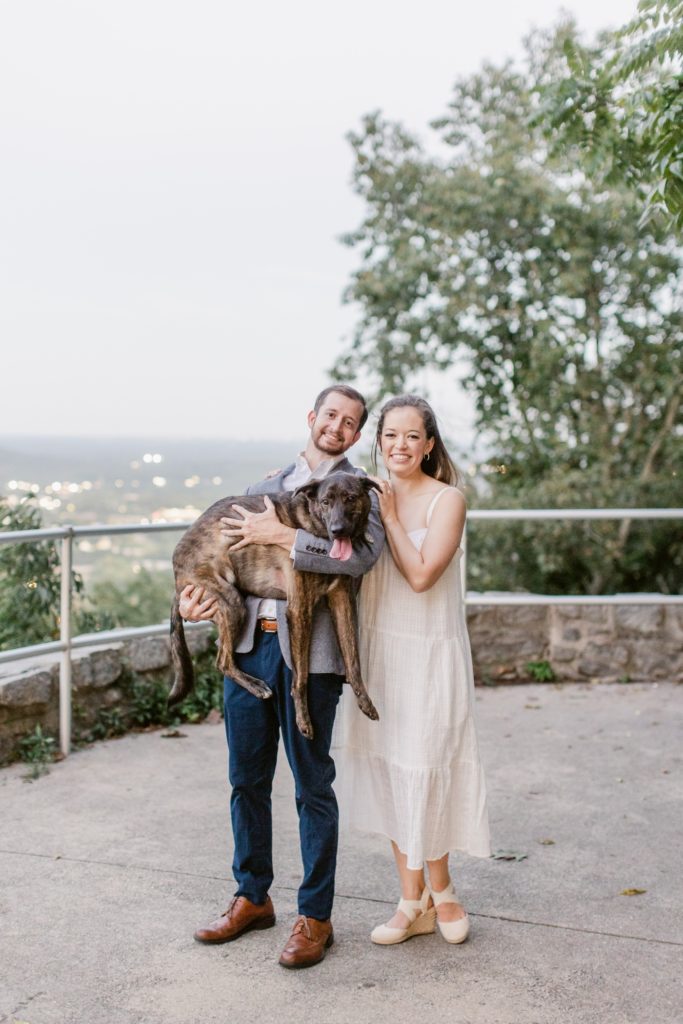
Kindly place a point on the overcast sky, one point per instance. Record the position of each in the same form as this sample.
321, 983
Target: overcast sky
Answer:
174, 178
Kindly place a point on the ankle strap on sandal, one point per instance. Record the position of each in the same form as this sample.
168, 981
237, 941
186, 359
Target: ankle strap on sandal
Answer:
446, 895
413, 908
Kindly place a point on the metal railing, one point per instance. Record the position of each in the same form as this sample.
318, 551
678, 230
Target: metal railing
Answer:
511, 514
66, 534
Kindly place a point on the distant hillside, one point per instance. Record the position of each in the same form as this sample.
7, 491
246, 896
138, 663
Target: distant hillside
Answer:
83, 458
80, 480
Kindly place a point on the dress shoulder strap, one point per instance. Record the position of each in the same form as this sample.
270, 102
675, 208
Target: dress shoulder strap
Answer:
432, 503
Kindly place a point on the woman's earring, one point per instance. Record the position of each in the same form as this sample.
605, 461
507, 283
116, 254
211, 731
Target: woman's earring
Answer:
425, 457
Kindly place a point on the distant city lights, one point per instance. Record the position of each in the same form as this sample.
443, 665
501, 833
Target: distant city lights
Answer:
60, 486
65, 500
101, 544
22, 485
173, 514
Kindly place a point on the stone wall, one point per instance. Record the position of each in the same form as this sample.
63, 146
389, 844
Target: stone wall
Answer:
29, 690
606, 644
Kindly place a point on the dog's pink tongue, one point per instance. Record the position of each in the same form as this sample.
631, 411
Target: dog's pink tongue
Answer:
342, 549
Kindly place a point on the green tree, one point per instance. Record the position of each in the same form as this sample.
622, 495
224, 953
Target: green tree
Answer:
619, 105
30, 580
566, 311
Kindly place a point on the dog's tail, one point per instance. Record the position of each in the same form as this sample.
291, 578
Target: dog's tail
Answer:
180, 656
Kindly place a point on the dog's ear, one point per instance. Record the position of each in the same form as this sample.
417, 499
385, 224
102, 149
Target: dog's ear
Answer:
309, 490
368, 483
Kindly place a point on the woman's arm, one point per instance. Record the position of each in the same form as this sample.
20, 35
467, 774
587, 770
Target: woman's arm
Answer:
423, 568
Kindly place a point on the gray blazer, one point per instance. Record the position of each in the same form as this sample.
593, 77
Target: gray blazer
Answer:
311, 555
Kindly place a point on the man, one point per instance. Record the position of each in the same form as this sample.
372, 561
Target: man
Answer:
253, 725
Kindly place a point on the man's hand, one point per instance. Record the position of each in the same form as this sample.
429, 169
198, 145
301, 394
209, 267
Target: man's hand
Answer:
194, 607
258, 527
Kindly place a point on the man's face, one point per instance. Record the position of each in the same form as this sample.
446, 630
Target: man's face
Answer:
334, 428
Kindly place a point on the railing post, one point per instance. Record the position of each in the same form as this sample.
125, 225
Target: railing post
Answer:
65, 637
463, 562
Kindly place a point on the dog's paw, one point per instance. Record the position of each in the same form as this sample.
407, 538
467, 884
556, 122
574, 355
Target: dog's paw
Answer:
368, 708
305, 727
250, 683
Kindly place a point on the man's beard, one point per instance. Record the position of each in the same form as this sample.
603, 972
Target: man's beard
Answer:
335, 443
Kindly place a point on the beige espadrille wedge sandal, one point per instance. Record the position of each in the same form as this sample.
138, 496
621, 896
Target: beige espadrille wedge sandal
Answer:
422, 922
452, 931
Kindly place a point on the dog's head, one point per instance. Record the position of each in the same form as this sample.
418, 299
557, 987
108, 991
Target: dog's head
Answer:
340, 505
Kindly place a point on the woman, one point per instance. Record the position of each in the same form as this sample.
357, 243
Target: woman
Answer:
415, 776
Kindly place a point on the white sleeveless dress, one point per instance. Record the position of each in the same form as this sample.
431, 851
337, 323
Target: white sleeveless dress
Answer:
415, 776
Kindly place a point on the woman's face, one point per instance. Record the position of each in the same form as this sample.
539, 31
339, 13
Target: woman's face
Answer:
404, 441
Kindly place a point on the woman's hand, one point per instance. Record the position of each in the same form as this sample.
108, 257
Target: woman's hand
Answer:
387, 500
195, 606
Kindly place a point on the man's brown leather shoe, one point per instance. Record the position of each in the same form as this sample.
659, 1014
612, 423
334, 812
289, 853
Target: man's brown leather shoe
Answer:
307, 943
241, 916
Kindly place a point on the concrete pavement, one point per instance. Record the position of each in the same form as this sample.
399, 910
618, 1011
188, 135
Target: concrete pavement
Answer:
110, 861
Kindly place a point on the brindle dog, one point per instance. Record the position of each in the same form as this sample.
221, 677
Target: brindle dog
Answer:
336, 508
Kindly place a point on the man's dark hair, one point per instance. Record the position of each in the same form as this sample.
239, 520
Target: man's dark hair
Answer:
347, 392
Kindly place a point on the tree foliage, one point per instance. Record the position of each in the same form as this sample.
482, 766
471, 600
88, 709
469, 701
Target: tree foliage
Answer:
30, 581
619, 103
566, 309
